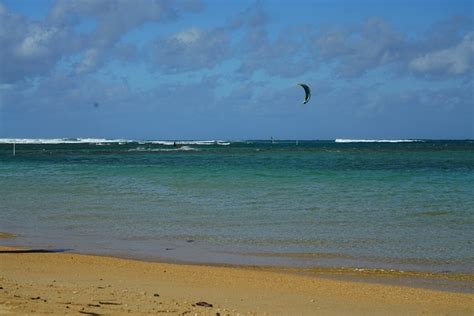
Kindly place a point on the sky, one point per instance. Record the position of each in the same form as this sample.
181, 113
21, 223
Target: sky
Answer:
214, 69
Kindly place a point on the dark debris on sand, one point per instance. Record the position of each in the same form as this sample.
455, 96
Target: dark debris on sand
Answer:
203, 304
109, 303
90, 313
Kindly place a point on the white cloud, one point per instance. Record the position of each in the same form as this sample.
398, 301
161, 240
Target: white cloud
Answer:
89, 61
457, 60
358, 49
37, 42
352, 51
189, 36
190, 49
33, 48
30, 48
285, 55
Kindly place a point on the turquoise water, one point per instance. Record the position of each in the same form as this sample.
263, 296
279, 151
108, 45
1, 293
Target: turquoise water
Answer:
407, 205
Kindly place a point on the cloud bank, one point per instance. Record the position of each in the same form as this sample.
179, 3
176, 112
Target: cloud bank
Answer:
241, 69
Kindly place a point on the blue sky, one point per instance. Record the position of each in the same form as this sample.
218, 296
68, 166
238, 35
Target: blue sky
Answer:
192, 69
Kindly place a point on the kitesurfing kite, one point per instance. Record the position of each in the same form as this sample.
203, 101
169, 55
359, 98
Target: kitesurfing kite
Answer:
307, 92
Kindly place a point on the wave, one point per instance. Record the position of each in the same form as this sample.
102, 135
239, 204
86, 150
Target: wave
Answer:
62, 141
341, 140
104, 141
182, 148
190, 142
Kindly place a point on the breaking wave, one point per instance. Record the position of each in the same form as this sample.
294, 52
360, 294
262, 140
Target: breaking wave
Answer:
104, 141
145, 149
341, 140
62, 140
189, 142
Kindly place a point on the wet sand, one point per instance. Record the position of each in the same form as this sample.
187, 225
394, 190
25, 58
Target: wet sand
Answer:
65, 283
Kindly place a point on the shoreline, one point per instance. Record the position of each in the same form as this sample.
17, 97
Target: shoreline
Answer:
193, 252
448, 281
66, 282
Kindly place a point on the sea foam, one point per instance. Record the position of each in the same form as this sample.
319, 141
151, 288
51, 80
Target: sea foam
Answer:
190, 142
61, 140
102, 141
182, 148
342, 140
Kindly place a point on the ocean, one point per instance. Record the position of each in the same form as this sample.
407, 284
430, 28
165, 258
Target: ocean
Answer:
386, 204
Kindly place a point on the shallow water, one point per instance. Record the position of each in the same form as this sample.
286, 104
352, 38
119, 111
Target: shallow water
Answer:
406, 205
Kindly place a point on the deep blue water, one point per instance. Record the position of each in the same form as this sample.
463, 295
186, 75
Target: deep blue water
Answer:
407, 205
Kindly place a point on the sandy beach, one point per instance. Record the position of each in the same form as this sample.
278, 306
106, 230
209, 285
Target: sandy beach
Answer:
65, 283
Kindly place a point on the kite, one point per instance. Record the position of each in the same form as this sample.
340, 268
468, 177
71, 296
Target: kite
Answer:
307, 91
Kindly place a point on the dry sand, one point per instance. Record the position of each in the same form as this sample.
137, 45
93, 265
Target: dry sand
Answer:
64, 283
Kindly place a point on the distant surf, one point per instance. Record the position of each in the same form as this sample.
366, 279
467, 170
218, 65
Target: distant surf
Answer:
62, 141
190, 142
342, 140
102, 141
105, 141
181, 148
